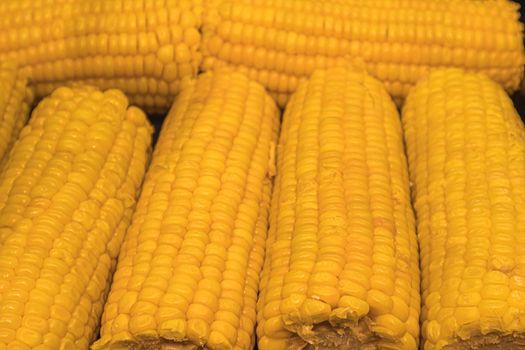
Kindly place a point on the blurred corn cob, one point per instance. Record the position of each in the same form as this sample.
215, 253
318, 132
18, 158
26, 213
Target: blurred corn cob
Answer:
341, 267
67, 192
15, 103
466, 151
143, 47
188, 273
279, 42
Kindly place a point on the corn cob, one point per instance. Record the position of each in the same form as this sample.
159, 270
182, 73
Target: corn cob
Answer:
142, 47
15, 102
188, 273
280, 42
67, 192
466, 152
341, 266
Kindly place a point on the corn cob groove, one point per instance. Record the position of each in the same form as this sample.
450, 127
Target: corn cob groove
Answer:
341, 266
280, 42
15, 103
142, 47
466, 151
67, 192
188, 273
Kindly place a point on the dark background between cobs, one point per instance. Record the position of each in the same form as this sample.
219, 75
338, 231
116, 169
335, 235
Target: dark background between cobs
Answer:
519, 99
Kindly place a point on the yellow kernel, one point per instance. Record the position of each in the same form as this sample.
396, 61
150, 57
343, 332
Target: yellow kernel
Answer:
314, 311
165, 54
359, 306
379, 302
197, 331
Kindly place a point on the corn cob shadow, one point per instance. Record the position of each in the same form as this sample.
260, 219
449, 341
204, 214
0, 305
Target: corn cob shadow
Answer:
341, 268
466, 152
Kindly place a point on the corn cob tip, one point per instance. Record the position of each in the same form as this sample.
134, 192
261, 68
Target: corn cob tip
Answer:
116, 97
441, 74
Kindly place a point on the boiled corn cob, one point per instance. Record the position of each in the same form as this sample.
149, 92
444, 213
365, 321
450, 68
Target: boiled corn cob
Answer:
188, 273
466, 151
280, 42
341, 266
67, 192
15, 103
143, 47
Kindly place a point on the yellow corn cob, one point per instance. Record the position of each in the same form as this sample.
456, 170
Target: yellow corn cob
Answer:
466, 151
15, 103
341, 267
279, 42
188, 273
67, 192
143, 47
